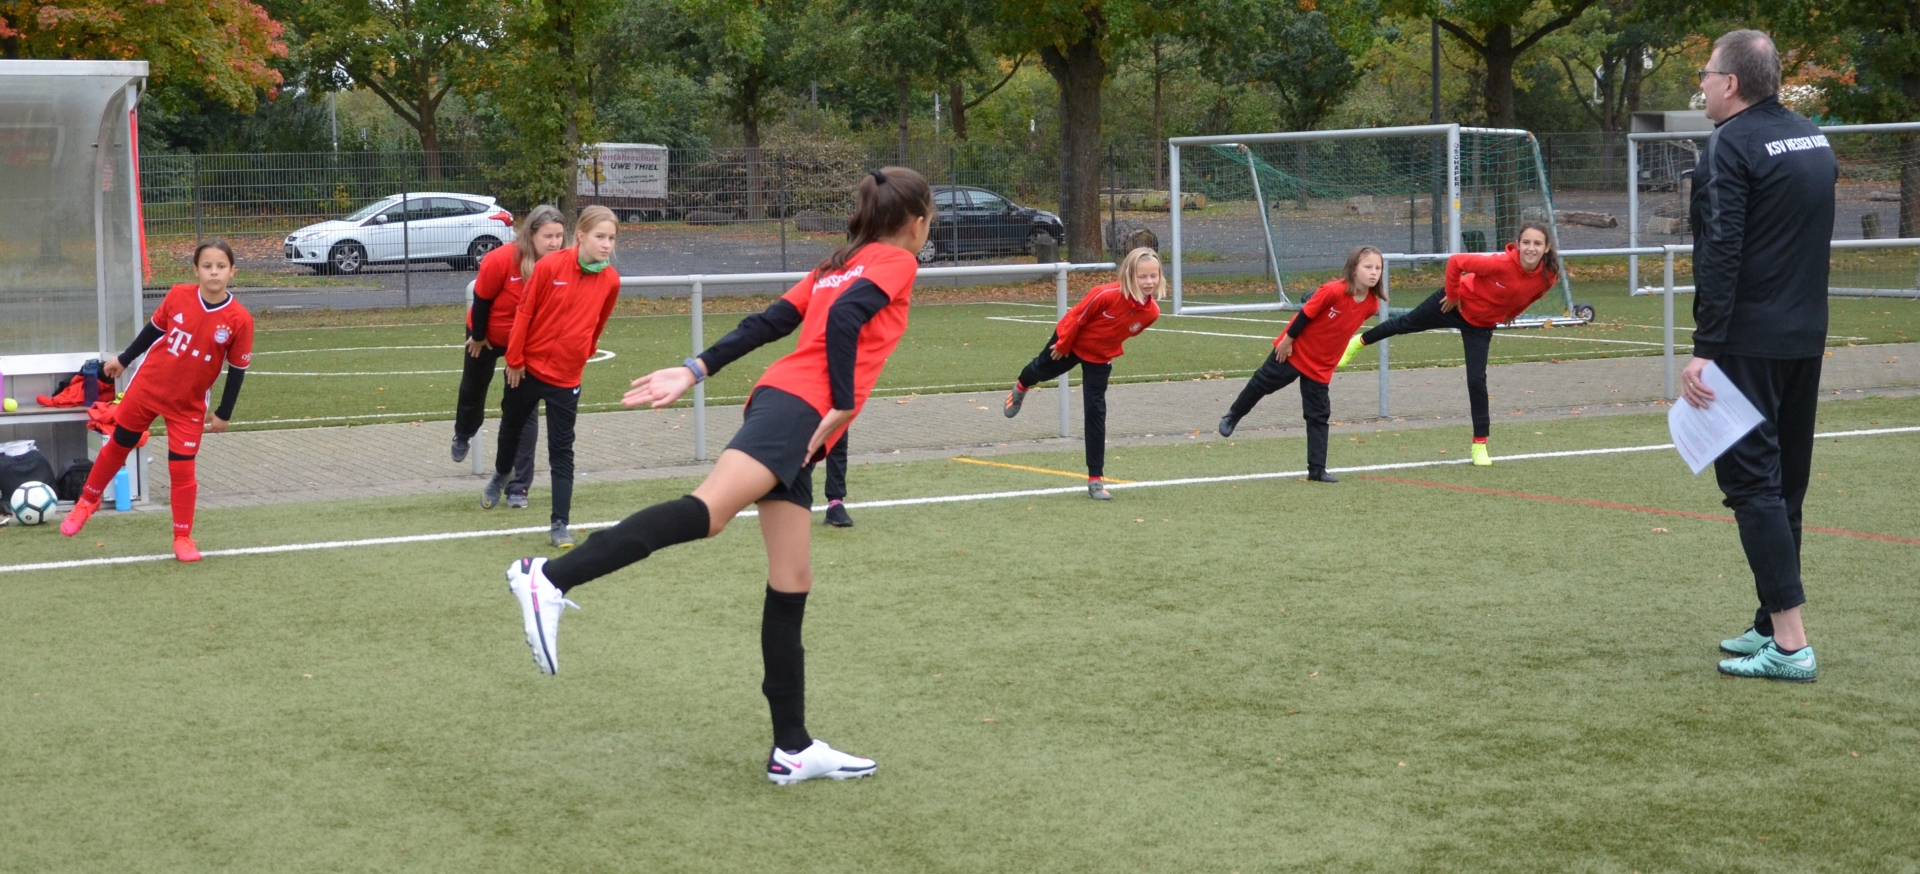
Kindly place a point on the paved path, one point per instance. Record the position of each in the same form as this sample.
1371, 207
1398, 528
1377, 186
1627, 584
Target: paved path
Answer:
319, 464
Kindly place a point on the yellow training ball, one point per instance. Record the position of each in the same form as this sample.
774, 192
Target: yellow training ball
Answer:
10, 405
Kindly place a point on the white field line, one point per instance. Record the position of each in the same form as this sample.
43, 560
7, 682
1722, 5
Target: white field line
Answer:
896, 502
350, 349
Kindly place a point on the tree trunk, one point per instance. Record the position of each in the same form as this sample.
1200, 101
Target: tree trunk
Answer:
1500, 58
905, 93
1080, 72
954, 98
569, 200
1909, 185
750, 134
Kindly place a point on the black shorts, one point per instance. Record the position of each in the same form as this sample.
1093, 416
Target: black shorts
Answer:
775, 433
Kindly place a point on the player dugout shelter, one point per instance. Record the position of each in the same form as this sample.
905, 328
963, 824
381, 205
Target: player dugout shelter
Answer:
71, 260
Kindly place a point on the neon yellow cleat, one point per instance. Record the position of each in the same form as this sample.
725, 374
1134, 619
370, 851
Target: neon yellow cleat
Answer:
1480, 457
1353, 348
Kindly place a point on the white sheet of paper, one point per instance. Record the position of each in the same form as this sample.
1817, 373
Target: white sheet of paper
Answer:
1701, 435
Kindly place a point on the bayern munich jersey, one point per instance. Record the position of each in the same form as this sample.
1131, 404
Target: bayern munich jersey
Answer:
196, 340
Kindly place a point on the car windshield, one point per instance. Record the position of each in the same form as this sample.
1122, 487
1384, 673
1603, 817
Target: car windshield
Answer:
367, 212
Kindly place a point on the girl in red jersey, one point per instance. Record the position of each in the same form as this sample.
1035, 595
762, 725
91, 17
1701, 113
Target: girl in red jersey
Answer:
1482, 292
850, 311
1311, 347
496, 303
197, 327
557, 327
1090, 336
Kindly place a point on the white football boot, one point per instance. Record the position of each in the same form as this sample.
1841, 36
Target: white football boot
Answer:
540, 606
818, 760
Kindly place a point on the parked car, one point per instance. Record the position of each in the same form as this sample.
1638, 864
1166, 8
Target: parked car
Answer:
429, 226
975, 221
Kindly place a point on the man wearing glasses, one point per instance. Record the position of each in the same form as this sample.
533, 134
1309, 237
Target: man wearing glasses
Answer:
1762, 216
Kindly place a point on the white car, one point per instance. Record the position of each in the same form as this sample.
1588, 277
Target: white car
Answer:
428, 226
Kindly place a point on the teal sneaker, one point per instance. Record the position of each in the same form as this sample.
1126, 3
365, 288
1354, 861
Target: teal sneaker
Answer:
1769, 663
1748, 643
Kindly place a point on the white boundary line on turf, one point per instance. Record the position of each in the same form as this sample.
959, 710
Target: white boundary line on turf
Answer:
897, 502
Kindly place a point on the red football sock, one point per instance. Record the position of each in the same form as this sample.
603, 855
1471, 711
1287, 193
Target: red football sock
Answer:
1479, 439
186, 491
112, 457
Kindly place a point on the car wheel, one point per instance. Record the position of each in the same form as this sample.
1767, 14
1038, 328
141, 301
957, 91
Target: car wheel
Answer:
346, 259
929, 252
476, 250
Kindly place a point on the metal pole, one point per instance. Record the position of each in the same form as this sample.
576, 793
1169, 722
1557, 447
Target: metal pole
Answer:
783, 213
1633, 215
1666, 307
1453, 188
1060, 310
1434, 75
1386, 286
1173, 164
199, 235
700, 388
1113, 208
1266, 225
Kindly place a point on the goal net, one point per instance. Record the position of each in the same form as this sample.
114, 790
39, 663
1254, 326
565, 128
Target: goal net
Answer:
1877, 197
1290, 206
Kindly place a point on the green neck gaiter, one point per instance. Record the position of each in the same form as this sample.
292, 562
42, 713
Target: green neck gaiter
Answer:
591, 266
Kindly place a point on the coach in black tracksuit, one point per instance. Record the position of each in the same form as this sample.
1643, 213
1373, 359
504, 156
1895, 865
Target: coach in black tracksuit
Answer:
1762, 216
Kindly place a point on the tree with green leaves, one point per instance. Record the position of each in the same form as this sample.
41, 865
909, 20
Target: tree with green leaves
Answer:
911, 43
541, 80
1611, 54
1306, 55
1499, 32
1883, 40
409, 53
224, 49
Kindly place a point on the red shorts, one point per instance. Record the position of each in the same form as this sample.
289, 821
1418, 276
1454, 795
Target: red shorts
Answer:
183, 429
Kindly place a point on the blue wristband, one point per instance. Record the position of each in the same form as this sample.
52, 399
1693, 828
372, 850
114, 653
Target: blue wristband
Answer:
699, 371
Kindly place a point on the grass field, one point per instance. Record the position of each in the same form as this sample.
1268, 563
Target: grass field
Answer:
1259, 675
309, 375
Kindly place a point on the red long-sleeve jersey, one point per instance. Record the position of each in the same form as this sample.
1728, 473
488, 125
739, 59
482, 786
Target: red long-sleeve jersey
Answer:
1492, 289
562, 312
1332, 318
1101, 322
499, 280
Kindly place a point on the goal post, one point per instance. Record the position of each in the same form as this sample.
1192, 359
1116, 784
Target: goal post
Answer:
1879, 177
1299, 201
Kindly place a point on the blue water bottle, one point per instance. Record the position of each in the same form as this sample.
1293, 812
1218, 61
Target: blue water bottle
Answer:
122, 491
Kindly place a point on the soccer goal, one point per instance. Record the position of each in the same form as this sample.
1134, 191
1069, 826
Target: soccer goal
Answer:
1292, 205
1877, 196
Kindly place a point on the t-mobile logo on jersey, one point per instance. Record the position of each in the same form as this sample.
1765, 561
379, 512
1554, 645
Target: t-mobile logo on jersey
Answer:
178, 340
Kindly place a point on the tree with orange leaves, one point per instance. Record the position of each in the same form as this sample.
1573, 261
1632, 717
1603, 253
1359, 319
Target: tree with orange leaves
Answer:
222, 48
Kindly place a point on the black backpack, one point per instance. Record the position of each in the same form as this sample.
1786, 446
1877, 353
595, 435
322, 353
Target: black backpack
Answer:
73, 480
18, 470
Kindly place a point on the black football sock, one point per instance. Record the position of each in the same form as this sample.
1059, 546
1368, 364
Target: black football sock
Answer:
1784, 651
1763, 622
786, 668
636, 537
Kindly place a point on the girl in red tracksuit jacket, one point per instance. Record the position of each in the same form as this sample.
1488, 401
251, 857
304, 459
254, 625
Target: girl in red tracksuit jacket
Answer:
1311, 349
1090, 336
556, 328
850, 312
1482, 292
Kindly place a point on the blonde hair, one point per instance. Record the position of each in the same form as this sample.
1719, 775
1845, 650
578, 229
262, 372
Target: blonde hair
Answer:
592, 217
1130, 265
537, 218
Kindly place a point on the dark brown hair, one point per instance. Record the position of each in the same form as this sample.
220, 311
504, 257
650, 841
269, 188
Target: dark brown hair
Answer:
884, 201
1551, 260
1352, 269
1750, 58
214, 244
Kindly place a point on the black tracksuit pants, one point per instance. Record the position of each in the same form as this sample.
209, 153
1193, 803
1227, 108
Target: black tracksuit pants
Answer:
1273, 376
837, 469
1475, 339
563, 407
1093, 394
1764, 476
476, 376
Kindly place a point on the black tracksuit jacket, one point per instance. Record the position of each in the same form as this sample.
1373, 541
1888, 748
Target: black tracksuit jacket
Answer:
1762, 216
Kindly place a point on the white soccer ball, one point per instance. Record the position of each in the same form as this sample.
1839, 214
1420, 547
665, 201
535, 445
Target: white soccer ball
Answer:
33, 503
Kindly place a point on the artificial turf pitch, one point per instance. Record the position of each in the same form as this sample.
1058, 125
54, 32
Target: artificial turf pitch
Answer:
1253, 676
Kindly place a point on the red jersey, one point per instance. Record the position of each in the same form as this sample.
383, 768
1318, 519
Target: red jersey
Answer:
561, 314
803, 373
1103, 320
499, 281
185, 361
1493, 289
1335, 317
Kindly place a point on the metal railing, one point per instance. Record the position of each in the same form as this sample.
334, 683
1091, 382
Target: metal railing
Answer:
697, 283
